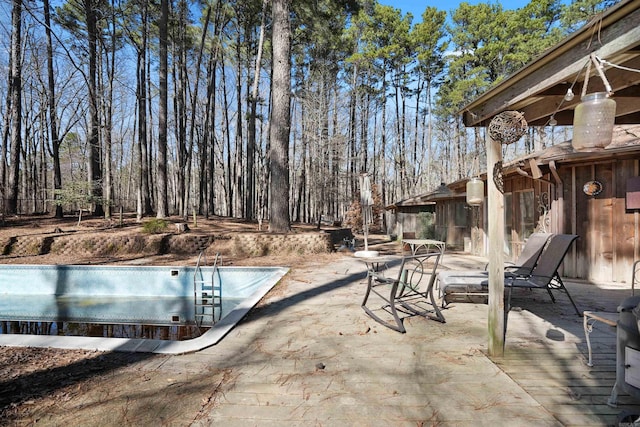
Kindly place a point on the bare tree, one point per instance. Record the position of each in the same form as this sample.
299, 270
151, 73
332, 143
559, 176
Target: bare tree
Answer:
15, 98
53, 114
162, 202
279, 220
251, 142
95, 152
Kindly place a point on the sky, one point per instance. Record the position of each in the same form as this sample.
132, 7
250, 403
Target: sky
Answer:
416, 7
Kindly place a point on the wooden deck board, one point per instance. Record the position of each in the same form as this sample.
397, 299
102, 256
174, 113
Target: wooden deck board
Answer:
546, 354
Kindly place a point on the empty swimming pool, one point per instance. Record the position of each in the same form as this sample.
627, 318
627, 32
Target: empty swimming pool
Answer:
132, 295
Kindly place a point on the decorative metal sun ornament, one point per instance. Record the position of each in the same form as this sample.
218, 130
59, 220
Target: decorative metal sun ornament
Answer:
506, 128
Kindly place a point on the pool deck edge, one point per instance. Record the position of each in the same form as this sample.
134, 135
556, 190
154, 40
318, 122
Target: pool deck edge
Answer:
140, 345
131, 345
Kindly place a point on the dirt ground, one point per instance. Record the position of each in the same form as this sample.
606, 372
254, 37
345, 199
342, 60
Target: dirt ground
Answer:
55, 387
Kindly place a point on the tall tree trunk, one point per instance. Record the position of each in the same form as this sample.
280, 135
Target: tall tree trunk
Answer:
108, 115
43, 166
15, 95
210, 114
6, 133
262, 177
302, 179
353, 152
26, 177
327, 147
53, 114
338, 153
415, 169
204, 137
162, 201
364, 140
95, 155
383, 147
144, 200
429, 134
251, 141
279, 221
150, 148
227, 139
180, 84
400, 141
238, 171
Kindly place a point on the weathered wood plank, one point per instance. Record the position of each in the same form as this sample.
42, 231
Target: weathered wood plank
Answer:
625, 231
572, 391
601, 223
496, 254
583, 228
546, 355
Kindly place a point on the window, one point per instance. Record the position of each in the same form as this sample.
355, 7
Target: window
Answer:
461, 214
526, 208
519, 220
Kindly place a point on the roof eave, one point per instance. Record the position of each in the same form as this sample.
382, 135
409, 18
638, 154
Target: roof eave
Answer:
603, 20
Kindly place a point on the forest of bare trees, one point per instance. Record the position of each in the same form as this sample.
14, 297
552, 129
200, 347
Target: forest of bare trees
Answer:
256, 109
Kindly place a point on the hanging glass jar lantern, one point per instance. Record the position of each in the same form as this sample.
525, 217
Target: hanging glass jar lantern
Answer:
593, 121
475, 191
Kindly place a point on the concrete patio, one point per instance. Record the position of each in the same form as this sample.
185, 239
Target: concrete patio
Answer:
308, 354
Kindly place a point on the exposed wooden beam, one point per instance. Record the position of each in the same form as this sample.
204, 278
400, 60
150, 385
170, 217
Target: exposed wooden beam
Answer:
629, 119
612, 38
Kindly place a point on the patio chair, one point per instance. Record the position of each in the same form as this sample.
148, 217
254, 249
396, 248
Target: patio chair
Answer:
529, 256
410, 292
466, 285
544, 274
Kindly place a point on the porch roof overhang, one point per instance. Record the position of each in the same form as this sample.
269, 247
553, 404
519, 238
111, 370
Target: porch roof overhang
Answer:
412, 202
538, 89
443, 192
622, 147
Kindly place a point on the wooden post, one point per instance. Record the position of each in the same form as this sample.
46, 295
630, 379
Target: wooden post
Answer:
495, 210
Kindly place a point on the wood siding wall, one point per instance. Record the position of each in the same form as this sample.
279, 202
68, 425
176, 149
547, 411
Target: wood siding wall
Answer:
609, 239
609, 234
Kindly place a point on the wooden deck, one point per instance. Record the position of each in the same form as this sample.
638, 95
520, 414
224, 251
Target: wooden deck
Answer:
546, 354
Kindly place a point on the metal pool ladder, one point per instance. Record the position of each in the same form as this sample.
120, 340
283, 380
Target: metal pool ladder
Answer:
207, 292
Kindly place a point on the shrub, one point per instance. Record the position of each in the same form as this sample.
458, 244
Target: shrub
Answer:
426, 225
353, 217
155, 226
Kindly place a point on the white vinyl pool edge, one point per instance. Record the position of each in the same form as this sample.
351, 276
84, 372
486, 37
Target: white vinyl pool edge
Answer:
139, 345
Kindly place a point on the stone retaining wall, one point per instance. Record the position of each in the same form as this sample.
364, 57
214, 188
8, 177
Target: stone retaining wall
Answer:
251, 244
241, 244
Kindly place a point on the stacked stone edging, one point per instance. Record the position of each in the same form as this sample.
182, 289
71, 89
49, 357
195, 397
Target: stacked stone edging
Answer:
187, 243
23, 245
242, 244
259, 244
106, 245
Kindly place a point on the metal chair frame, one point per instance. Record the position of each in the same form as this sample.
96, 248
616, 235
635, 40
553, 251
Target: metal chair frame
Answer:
404, 294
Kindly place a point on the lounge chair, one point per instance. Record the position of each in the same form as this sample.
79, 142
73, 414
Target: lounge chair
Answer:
529, 256
543, 275
410, 292
466, 285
